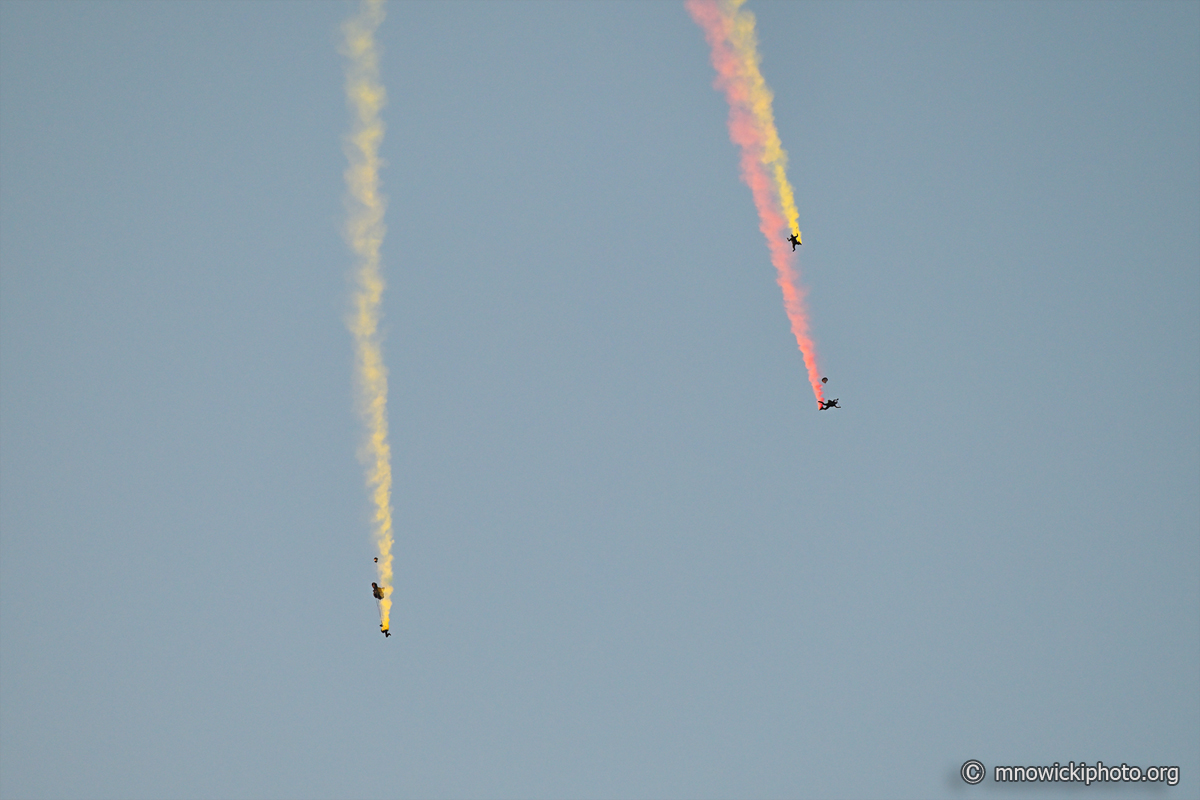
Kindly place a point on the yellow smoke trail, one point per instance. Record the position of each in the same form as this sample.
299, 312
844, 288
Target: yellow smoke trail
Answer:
744, 41
364, 232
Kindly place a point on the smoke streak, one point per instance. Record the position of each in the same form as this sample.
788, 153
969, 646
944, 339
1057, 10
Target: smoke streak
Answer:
364, 233
730, 33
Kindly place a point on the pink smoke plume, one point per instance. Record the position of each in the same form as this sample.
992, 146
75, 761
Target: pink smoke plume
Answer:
730, 34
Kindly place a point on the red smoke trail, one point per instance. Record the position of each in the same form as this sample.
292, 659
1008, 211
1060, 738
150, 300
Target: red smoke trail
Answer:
730, 34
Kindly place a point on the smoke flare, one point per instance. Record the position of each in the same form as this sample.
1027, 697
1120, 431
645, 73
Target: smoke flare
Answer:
364, 232
734, 43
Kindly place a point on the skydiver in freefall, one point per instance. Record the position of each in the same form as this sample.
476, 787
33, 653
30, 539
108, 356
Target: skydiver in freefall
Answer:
377, 590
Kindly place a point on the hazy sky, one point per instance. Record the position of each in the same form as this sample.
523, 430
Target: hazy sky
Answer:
632, 558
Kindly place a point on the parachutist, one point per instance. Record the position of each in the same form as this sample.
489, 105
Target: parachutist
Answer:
824, 405
386, 632
376, 590
377, 561
795, 240
823, 380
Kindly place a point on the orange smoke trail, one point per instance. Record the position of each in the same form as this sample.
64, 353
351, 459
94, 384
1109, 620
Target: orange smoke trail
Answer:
730, 33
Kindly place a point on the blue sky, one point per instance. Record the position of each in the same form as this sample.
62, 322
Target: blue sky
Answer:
632, 558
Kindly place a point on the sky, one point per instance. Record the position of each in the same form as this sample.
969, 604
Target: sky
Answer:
632, 559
